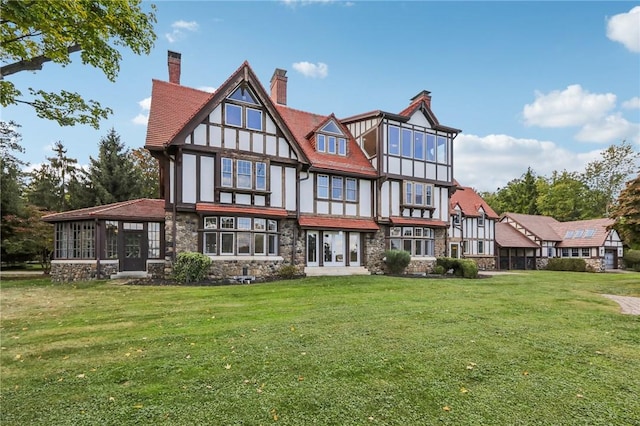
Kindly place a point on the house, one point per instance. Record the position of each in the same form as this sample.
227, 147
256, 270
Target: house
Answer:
255, 185
529, 241
119, 239
472, 228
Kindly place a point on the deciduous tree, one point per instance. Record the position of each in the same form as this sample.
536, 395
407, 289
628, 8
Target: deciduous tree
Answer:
35, 32
626, 213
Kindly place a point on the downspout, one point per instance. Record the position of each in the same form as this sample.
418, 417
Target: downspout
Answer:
295, 229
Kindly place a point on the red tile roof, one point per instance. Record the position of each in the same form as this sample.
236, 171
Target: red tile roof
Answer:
144, 209
540, 226
417, 221
469, 202
508, 236
302, 124
238, 210
172, 107
341, 223
599, 227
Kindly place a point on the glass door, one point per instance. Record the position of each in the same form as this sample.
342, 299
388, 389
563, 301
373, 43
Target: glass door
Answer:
333, 248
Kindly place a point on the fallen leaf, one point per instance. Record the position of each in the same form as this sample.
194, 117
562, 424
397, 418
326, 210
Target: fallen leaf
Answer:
111, 399
464, 390
138, 406
228, 366
525, 373
300, 379
81, 376
579, 396
18, 356
446, 408
127, 354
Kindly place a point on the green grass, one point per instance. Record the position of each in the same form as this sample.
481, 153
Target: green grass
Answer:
538, 348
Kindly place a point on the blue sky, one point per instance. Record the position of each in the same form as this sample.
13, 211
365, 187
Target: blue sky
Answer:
545, 85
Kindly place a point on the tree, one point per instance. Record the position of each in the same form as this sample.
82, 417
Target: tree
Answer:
518, 196
112, 177
606, 177
35, 32
626, 213
11, 182
31, 239
147, 168
564, 197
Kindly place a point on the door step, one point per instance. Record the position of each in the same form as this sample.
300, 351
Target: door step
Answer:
319, 271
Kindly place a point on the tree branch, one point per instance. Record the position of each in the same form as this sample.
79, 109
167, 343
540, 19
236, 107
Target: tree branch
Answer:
34, 64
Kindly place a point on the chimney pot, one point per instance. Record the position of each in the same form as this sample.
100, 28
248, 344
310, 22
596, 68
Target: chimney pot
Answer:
425, 95
279, 86
174, 62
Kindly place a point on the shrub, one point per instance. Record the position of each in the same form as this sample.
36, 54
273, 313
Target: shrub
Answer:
397, 260
191, 267
439, 269
287, 272
461, 267
631, 259
564, 264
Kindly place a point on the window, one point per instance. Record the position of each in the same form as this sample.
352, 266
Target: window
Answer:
254, 119
111, 240
457, 218
431, 147
565, 252
480, 247
417, 194
442, 150
321, 144
407, 143
336, 188
418, 145
574, 252
234, 113
241, 236
586, 252
589, 233
342, 146
394, 140
568, 235
578, 233
75, 240
332, 144
153, 233
481, 219
243, 178
465, 247
323, 186
329, 143
417, 241
352, 189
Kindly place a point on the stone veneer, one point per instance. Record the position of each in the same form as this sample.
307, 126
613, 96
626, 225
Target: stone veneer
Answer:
374, 249
69, 271
485, 263
290, 241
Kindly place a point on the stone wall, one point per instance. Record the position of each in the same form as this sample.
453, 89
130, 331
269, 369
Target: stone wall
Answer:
374, 248
484, 263
69, 271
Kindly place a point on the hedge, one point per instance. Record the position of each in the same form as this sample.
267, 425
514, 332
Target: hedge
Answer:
461, 267
564, 264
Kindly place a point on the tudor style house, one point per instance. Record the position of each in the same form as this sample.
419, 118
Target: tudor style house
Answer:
529, 241
472, 228
255, 184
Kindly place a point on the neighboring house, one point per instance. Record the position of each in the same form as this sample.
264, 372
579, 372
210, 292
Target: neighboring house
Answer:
472, 228
255, 184
529, 241
108, 241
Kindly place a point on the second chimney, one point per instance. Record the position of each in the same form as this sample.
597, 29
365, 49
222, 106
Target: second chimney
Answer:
279, 86
173, 61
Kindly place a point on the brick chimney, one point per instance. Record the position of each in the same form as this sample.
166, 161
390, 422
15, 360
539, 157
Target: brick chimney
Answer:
279, 86
173, 61
425, 95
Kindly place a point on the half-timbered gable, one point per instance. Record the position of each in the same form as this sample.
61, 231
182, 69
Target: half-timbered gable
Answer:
472, 228
413, 154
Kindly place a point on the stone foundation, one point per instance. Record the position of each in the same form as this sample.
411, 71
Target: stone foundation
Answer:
70, 271
484, 263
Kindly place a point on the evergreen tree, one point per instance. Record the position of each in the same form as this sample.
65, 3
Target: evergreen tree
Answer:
112, 177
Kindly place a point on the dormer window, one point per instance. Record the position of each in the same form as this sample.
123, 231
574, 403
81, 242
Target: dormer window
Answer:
481, 219
333, 142
242, 114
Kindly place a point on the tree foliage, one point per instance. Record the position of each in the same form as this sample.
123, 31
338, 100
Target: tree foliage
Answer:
518, 196
148, 169
626, 213
33, 33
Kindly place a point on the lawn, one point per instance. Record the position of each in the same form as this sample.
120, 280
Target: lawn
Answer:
539, 348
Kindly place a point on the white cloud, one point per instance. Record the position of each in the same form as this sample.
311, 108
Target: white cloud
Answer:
633, 103
625, 28
612, 128
570, 107
490, 162
319, 70
179, 30
143, 117
294, 3
207, 89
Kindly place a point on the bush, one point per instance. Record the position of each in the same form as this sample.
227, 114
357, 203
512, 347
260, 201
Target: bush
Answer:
397, 260
439, 269
287, 272
564, 264
631, 259
191, 267
461, 267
